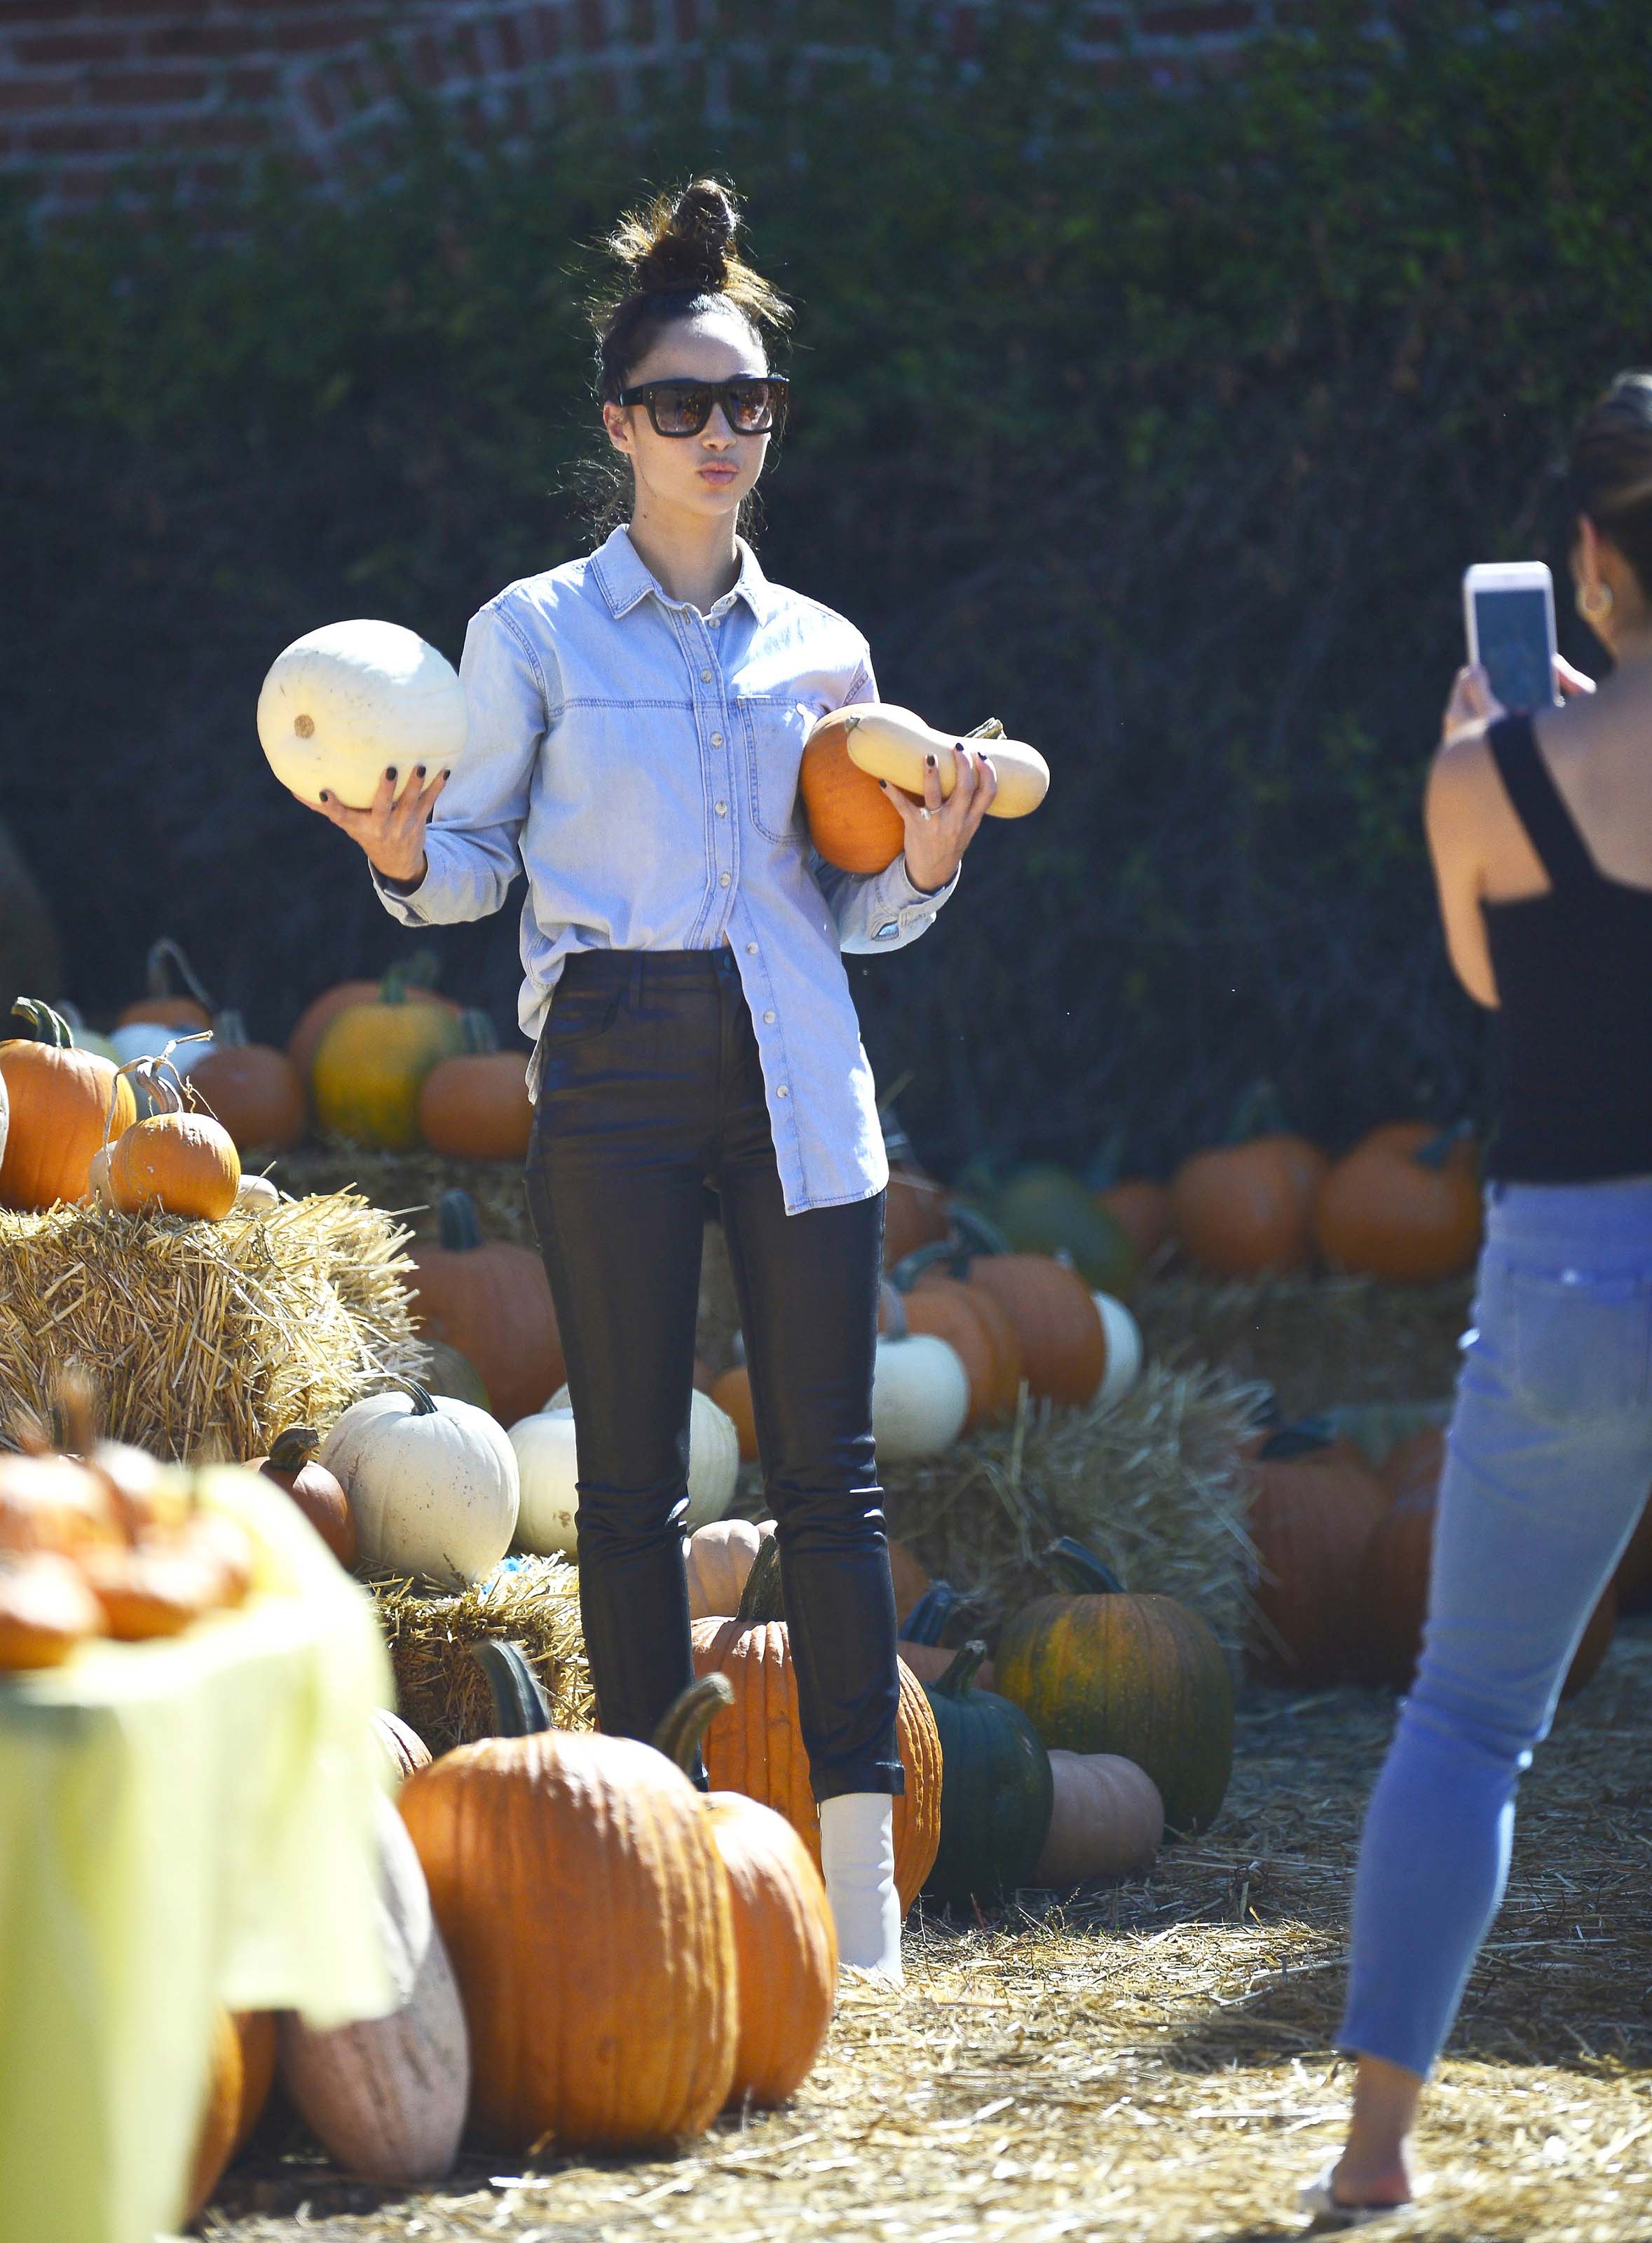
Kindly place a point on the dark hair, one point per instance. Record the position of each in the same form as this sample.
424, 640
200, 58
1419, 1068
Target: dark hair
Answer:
1609, 470
679, 258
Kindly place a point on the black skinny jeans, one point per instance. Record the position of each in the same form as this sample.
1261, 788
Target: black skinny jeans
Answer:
650, 1087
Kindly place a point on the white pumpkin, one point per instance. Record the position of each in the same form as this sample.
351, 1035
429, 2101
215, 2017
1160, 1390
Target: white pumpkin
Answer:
344, 704
549, 1465
919, 1396
386, 2098
1124, 1336
149, 1039
256, 1196
432, 1484
713, 1456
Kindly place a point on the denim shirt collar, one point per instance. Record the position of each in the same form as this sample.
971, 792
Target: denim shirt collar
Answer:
625, 578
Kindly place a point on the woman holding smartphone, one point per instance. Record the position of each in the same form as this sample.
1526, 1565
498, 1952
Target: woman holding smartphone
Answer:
636, 723
1539, 823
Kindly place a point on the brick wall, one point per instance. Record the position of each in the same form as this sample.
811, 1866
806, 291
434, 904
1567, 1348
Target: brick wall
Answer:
197, 88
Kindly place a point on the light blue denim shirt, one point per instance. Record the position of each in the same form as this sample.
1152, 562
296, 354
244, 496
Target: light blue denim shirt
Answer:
640, 760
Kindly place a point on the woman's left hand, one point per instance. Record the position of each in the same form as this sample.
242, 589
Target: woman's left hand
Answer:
939, 831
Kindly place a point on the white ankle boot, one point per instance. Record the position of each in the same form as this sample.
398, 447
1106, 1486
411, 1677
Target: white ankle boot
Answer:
858, 1854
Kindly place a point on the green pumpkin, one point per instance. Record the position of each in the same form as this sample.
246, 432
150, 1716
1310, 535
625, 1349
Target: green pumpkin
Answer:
455, 1375
996, 1790
1104, 1671
1044, 1210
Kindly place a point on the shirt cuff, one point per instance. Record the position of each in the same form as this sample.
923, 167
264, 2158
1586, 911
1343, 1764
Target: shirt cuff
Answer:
398, 896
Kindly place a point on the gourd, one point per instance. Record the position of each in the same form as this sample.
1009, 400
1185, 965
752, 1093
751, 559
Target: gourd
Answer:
576, 1883
160, 1005
415, 973
343, 704
1246, 1208
1099, 1671
46, 1610
241, 2070
1393, 1599
976, 1326
292, 1464
756, 1745
386, 2096
57, 1101
371, 1063
921, 1630
1403, 1207
173, 1161
1141, 1209
848, 750
1045, 1210
995, 1787
1107, 1820
491, 1302
785, 1943
449, 1373
1312, 1513
1063, 1343
732, 1391
403, 1747
256, 1196
919, 1396
252, 1089
548, 1458
718, 1559
474, 1106
432, 1484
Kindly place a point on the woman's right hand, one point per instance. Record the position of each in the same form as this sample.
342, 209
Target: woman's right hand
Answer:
391, 832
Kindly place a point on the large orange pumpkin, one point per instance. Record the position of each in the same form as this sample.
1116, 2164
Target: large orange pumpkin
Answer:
492, 1303
59, 1100
474, 1106
756, 1745
416, 973
252, 1089
1404, 1206
576, 1884
785, 1943
1064, 1346
1246, 1210
1313, 1513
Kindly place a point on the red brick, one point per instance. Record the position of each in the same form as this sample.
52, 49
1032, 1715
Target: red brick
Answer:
507, 31
42, 95
423, 58
251, 82
464, 52
166, 42
550, 25
1102, 26
45, 48
322, 34
685, 19
90, 136
1197, 21
590, 23
147, 89
219, 128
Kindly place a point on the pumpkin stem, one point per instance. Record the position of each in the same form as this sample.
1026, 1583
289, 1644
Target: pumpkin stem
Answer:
927, 1621
687, 1718
894, 1307
420, 968
1304, 1439
976, 1231
461, 1232
229, 1028
1081, 1570
158, 979
49, 1027
520, 1707
960, 1678
290, 1451
1435, 1154
422, 1404
1258, 1114
990, 728
761, 1600
1108, 1161
478, 1033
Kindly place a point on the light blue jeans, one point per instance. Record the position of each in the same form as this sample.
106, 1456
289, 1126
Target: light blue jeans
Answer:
1550, 1460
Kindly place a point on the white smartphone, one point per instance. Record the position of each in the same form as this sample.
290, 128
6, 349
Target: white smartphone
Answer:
1508, 613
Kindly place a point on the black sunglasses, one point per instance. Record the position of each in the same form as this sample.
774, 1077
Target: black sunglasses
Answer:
752, 403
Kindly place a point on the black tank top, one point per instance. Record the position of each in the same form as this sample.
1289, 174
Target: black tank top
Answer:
1573, 973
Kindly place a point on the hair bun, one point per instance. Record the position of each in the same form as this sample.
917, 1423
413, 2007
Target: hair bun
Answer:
691, 241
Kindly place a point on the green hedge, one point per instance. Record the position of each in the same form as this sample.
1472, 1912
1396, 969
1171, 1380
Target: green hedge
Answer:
1161, 425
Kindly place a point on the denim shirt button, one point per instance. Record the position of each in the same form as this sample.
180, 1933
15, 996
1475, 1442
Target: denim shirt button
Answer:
783, 1092
769, 1017
723, 880
705, 677
717, 739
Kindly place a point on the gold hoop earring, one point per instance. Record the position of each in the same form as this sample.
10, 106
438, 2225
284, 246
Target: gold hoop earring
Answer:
1594, 602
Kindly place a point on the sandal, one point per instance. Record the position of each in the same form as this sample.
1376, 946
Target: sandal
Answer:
1328, 2214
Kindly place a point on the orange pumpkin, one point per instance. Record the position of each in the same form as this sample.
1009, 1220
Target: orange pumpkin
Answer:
785, 1943
1312, 1515
252, 1089
416, 973
914, 1212
974, 1323
1404, 1206
493, 1303
1413, 1467
907, 1576
1246, 1210
160, 1005
291, 1464
732, 1391
59, 1100
756, 1745
474, 1106
1064, 1346
852, 822
243, 2069
46, 1610
173, 1162
1143, 1211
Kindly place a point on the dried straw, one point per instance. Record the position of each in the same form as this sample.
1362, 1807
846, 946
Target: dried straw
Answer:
440, 1689
1318, 1342
1153, 1484
411, 1184
204, 1337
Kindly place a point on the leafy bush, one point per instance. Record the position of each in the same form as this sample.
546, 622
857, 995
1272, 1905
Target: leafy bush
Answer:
1160, 425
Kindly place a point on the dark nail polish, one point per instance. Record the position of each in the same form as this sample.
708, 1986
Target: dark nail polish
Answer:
418, 771
390, 774
326, 797
930, 761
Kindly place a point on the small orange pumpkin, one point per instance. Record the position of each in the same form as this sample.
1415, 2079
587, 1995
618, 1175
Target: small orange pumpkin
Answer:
977, 1324
1313, 1513
291, 1464
173, 1161
914, 1212
474, 1106
243, 2070
492, 1303
1404, 1206
1064, 1346
1143, 1211
1246, 1210
252, 1089
852, 822
732, 1391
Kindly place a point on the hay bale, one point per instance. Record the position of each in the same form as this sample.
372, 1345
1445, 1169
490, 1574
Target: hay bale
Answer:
1153, 1485
533, 1601
205, 1338
410, 1185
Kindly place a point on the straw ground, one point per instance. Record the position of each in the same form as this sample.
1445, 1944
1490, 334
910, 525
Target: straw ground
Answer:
1153, 2061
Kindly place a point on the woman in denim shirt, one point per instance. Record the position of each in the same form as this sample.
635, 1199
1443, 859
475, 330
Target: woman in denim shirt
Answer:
637, 722
1541, 827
